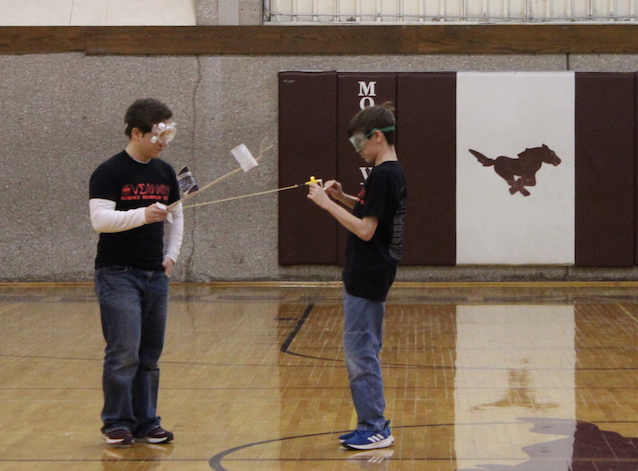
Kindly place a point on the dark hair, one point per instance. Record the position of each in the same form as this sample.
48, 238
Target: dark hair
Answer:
144, 113
377, 116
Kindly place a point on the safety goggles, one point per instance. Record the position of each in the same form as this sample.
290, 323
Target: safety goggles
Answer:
359, 140
163, 133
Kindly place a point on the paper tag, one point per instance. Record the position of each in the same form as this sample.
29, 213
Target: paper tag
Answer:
186, 181
244, 157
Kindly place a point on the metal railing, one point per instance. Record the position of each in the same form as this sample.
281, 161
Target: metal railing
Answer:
448, 11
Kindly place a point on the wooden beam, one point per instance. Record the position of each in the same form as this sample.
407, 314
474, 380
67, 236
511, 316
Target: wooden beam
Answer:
529, 39
322, 40
258, 40
41, 39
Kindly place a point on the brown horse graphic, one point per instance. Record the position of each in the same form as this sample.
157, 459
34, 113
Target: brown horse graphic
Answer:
525, 167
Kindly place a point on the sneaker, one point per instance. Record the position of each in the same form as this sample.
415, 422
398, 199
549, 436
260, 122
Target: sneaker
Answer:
370, 439
119, 437
157, 435
347, 436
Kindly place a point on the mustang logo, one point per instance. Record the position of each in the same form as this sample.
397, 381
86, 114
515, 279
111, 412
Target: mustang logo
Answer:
525, 167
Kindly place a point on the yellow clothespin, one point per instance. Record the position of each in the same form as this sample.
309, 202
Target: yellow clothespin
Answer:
313, 180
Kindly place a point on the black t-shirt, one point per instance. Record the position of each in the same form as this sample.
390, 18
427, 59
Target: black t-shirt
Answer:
371, 266
132, 185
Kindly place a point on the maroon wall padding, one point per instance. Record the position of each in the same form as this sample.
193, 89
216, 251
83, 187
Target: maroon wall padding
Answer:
605, 170
426, 132
351, 96
307, 147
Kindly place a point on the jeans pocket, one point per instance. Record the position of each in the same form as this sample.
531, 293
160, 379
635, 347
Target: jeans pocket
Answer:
110, 280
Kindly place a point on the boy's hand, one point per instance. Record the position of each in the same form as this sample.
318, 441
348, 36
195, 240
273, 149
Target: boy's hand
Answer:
318, 195
157, 212
333, 188
168, 264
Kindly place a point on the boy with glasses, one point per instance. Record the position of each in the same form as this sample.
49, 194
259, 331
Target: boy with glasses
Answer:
129, 194
375, 239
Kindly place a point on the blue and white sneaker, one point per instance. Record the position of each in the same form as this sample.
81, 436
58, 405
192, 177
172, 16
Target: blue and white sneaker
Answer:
347, 436
370, 439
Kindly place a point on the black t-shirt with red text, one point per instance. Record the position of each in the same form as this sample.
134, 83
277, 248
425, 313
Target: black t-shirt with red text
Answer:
371, 266
132, 185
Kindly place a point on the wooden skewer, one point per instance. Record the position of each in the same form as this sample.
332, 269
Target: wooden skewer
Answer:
220, 179
291, 187
243, 196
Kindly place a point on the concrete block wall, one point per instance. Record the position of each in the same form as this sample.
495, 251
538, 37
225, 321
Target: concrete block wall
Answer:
62, 116
228, 12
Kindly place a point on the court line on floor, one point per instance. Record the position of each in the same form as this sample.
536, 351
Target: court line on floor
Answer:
216, 461
291, 337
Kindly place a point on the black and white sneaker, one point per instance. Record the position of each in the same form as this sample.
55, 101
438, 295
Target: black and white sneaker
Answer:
157, 435
118, 437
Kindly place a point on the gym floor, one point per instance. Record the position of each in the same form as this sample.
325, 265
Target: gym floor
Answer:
517, 376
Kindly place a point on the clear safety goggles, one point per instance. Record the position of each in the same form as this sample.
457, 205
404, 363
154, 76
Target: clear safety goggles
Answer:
163, 133
358, 140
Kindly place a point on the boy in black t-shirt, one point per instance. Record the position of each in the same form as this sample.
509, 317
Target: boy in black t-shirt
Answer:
128, 198
374, 248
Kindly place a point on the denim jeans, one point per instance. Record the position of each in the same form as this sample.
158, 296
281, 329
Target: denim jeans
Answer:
133, 309
362, 340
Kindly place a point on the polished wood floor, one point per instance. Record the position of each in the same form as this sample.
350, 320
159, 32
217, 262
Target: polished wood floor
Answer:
496, 377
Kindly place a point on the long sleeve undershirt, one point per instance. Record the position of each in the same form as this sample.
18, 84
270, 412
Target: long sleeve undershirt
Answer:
105, 218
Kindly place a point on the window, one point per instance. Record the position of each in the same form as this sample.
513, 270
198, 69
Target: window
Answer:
447, 11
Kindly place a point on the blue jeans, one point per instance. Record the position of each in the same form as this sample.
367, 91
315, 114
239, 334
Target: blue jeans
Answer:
133, 309
362, 341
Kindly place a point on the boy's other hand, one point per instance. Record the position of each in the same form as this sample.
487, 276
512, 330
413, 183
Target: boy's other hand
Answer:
333, 188
168, 264
156, 212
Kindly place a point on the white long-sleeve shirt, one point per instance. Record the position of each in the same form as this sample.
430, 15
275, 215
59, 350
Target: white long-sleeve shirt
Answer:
105, 218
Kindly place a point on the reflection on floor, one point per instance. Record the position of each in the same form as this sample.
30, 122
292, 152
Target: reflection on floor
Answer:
492, 377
